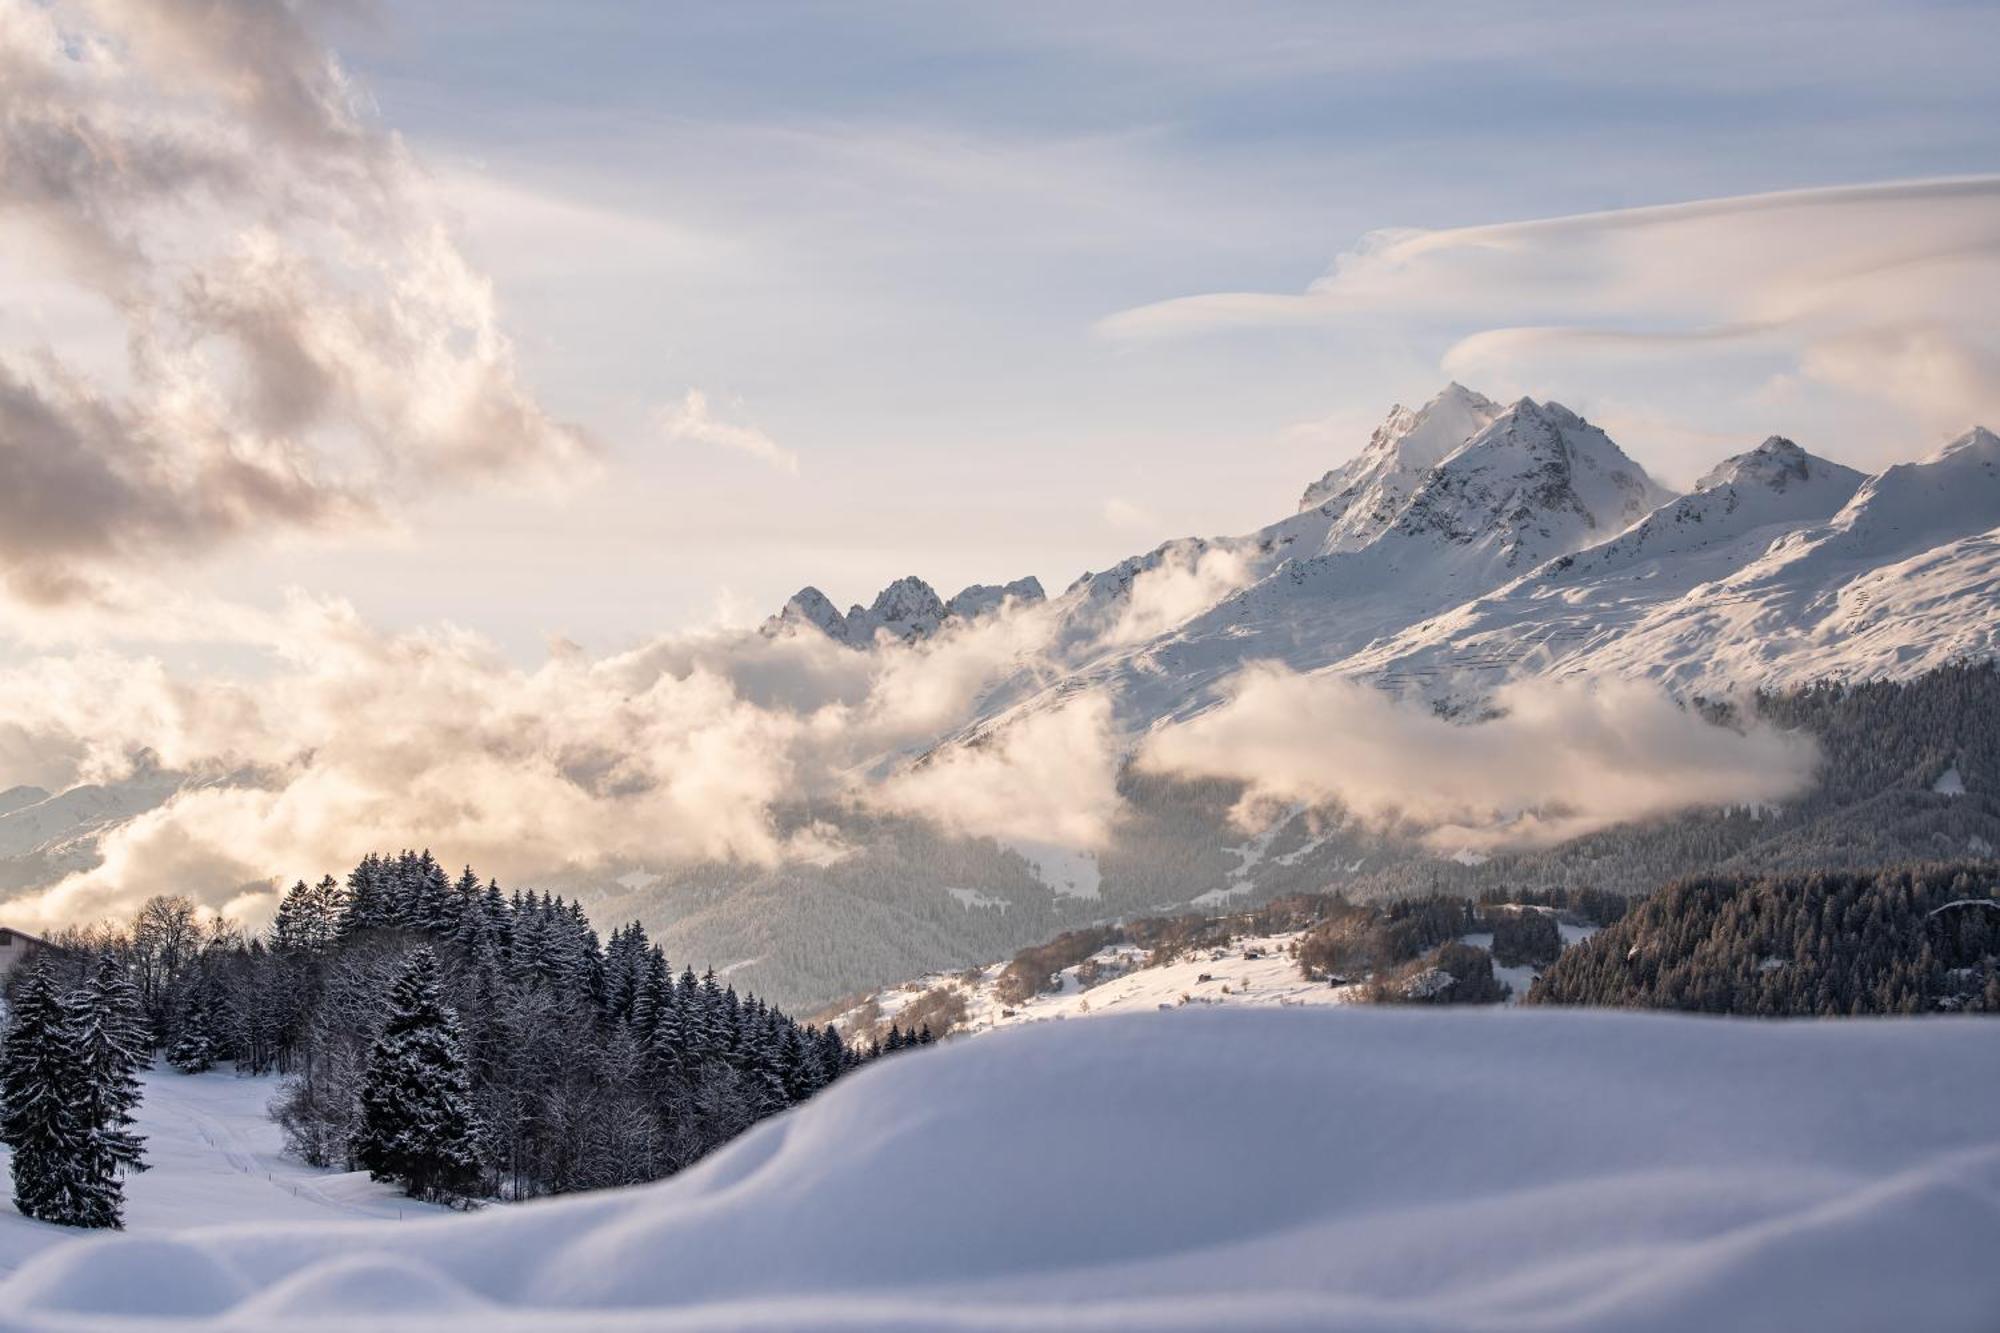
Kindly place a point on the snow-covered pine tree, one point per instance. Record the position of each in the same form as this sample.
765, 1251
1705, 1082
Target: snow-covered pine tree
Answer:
113, 1044
763, 1071
326, 901
671, 1060
65, 1167
426, 888
308, 918
496, 918
288, 926
652, 993
418, 1126
589, 949
193, 1048
368, 905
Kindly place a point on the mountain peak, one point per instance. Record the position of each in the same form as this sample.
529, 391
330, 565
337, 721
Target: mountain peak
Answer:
1363, 495
1777, 464
1537, 482
980, 598
1978, 442
1775, 483
808, 606
907, 609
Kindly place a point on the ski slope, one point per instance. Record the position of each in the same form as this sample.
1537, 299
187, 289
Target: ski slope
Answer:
1362, 1169
214, 1156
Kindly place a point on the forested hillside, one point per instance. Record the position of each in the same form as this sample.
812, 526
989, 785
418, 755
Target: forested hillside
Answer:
495, 1032
1894, 941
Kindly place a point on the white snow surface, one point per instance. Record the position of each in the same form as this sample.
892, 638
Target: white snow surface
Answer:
1360, 1169
214, 1155
1252, 971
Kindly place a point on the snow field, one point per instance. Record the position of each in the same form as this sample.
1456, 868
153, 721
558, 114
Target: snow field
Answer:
214, 1155
1363, 1168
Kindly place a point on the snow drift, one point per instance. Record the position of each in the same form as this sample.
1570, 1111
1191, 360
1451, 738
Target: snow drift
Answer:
1244, 1169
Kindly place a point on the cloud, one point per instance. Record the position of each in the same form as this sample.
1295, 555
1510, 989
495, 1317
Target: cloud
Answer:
284, 336
1558, 760
1047, 777
691, 420
1882, 291
1188, 579
689, 749
705, 747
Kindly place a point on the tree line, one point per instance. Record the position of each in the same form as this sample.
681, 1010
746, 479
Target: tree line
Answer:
459, 1041
1899, 940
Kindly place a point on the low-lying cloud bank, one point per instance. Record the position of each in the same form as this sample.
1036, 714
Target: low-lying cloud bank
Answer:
1050, 777
1560, 759
692, 748
677, 752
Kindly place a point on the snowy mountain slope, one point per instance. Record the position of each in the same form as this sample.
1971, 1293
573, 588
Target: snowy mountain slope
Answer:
1534, 483
1360, 1169
1529, 548
78, 811
1903, 579
1468, 544
1255, 969
1598, 595
45, 836
215, 1157
1773, 487
1252, 971
15, 798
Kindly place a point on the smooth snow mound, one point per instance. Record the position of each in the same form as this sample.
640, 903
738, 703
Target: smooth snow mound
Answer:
1275, 1169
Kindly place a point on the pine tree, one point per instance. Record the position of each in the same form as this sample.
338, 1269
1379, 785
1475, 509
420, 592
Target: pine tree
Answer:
193, 1051
67, 1165
368, 904
417, 1121
113, 1046
652, 992
288, 927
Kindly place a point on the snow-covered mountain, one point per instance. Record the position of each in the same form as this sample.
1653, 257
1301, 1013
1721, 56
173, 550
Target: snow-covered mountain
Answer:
1781, 569
44, 836
1469, 543
1364, 495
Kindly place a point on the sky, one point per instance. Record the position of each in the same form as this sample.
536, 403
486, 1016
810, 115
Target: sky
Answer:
491, 346
838, 293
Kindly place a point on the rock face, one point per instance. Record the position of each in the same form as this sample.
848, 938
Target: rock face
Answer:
906, 610
981, 598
